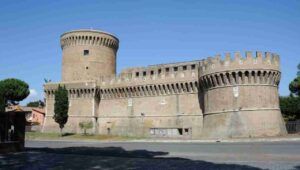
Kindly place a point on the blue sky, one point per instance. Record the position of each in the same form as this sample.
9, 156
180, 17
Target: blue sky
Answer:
150, 32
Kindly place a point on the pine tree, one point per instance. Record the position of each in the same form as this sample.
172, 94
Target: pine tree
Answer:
61, 107
12, 91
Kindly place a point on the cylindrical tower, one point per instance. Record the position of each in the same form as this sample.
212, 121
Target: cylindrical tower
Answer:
241, 96
88, 55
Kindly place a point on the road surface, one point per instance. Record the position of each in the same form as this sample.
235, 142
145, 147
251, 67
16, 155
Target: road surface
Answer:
145, 155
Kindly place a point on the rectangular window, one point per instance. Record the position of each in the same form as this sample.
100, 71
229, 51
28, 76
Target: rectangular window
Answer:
159, 71
175, 68
184, 68
167, 69
137, 74
144, 73
86, 52
180, 131
193, 67
152, 72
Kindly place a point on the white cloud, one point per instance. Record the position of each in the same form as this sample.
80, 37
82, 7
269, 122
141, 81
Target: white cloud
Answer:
33, 96
33, 93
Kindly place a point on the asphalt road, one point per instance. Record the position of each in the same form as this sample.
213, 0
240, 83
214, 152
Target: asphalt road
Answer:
144, 155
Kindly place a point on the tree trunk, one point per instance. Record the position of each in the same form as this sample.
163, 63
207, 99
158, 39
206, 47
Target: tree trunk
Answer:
61, 132
84, 132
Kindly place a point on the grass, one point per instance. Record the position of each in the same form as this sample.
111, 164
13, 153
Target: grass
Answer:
72, 136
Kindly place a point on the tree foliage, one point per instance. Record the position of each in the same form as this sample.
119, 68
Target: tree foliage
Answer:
85, 126
14, 90
37, 103
298, 73
290, 105
61, 107
295, 86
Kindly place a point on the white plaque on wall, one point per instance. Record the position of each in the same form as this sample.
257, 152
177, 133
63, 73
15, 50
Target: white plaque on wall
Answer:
235, 91
129, 102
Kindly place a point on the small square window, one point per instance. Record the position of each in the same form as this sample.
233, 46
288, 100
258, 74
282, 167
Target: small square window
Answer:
184, 68
159, 71
151, 72
167, 69
193, 67
175, 68
86, 52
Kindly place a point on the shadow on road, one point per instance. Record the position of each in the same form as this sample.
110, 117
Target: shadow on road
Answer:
103, 158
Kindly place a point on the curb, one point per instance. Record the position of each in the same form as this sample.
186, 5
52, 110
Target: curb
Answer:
296, 139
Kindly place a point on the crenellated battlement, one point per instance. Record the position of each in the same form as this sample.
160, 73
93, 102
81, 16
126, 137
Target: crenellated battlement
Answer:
263, 69
89, 37
153, 74
261, 60
86, 89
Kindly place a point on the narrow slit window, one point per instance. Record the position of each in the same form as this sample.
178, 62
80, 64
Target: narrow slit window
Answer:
86, 52
159, 71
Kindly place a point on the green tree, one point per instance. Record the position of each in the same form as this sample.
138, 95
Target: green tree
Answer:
290, 105
37, 103
85, 126
13, 90
298, 73
61, 107
294, 86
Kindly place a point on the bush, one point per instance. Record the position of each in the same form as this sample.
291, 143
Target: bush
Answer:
37, 103
85, 126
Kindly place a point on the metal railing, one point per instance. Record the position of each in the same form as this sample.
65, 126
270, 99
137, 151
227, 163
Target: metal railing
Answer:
293, 126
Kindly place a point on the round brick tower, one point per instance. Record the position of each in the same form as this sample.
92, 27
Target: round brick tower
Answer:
241, 96
88, 55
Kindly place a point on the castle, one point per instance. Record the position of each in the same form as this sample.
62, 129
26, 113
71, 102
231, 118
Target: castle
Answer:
213, 98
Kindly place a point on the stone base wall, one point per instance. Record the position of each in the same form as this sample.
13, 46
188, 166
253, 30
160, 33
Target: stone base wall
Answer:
72, 126
144, 126
138, 116
170, 116
244, 123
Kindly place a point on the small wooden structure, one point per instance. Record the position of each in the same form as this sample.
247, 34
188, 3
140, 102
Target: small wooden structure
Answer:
12, 131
